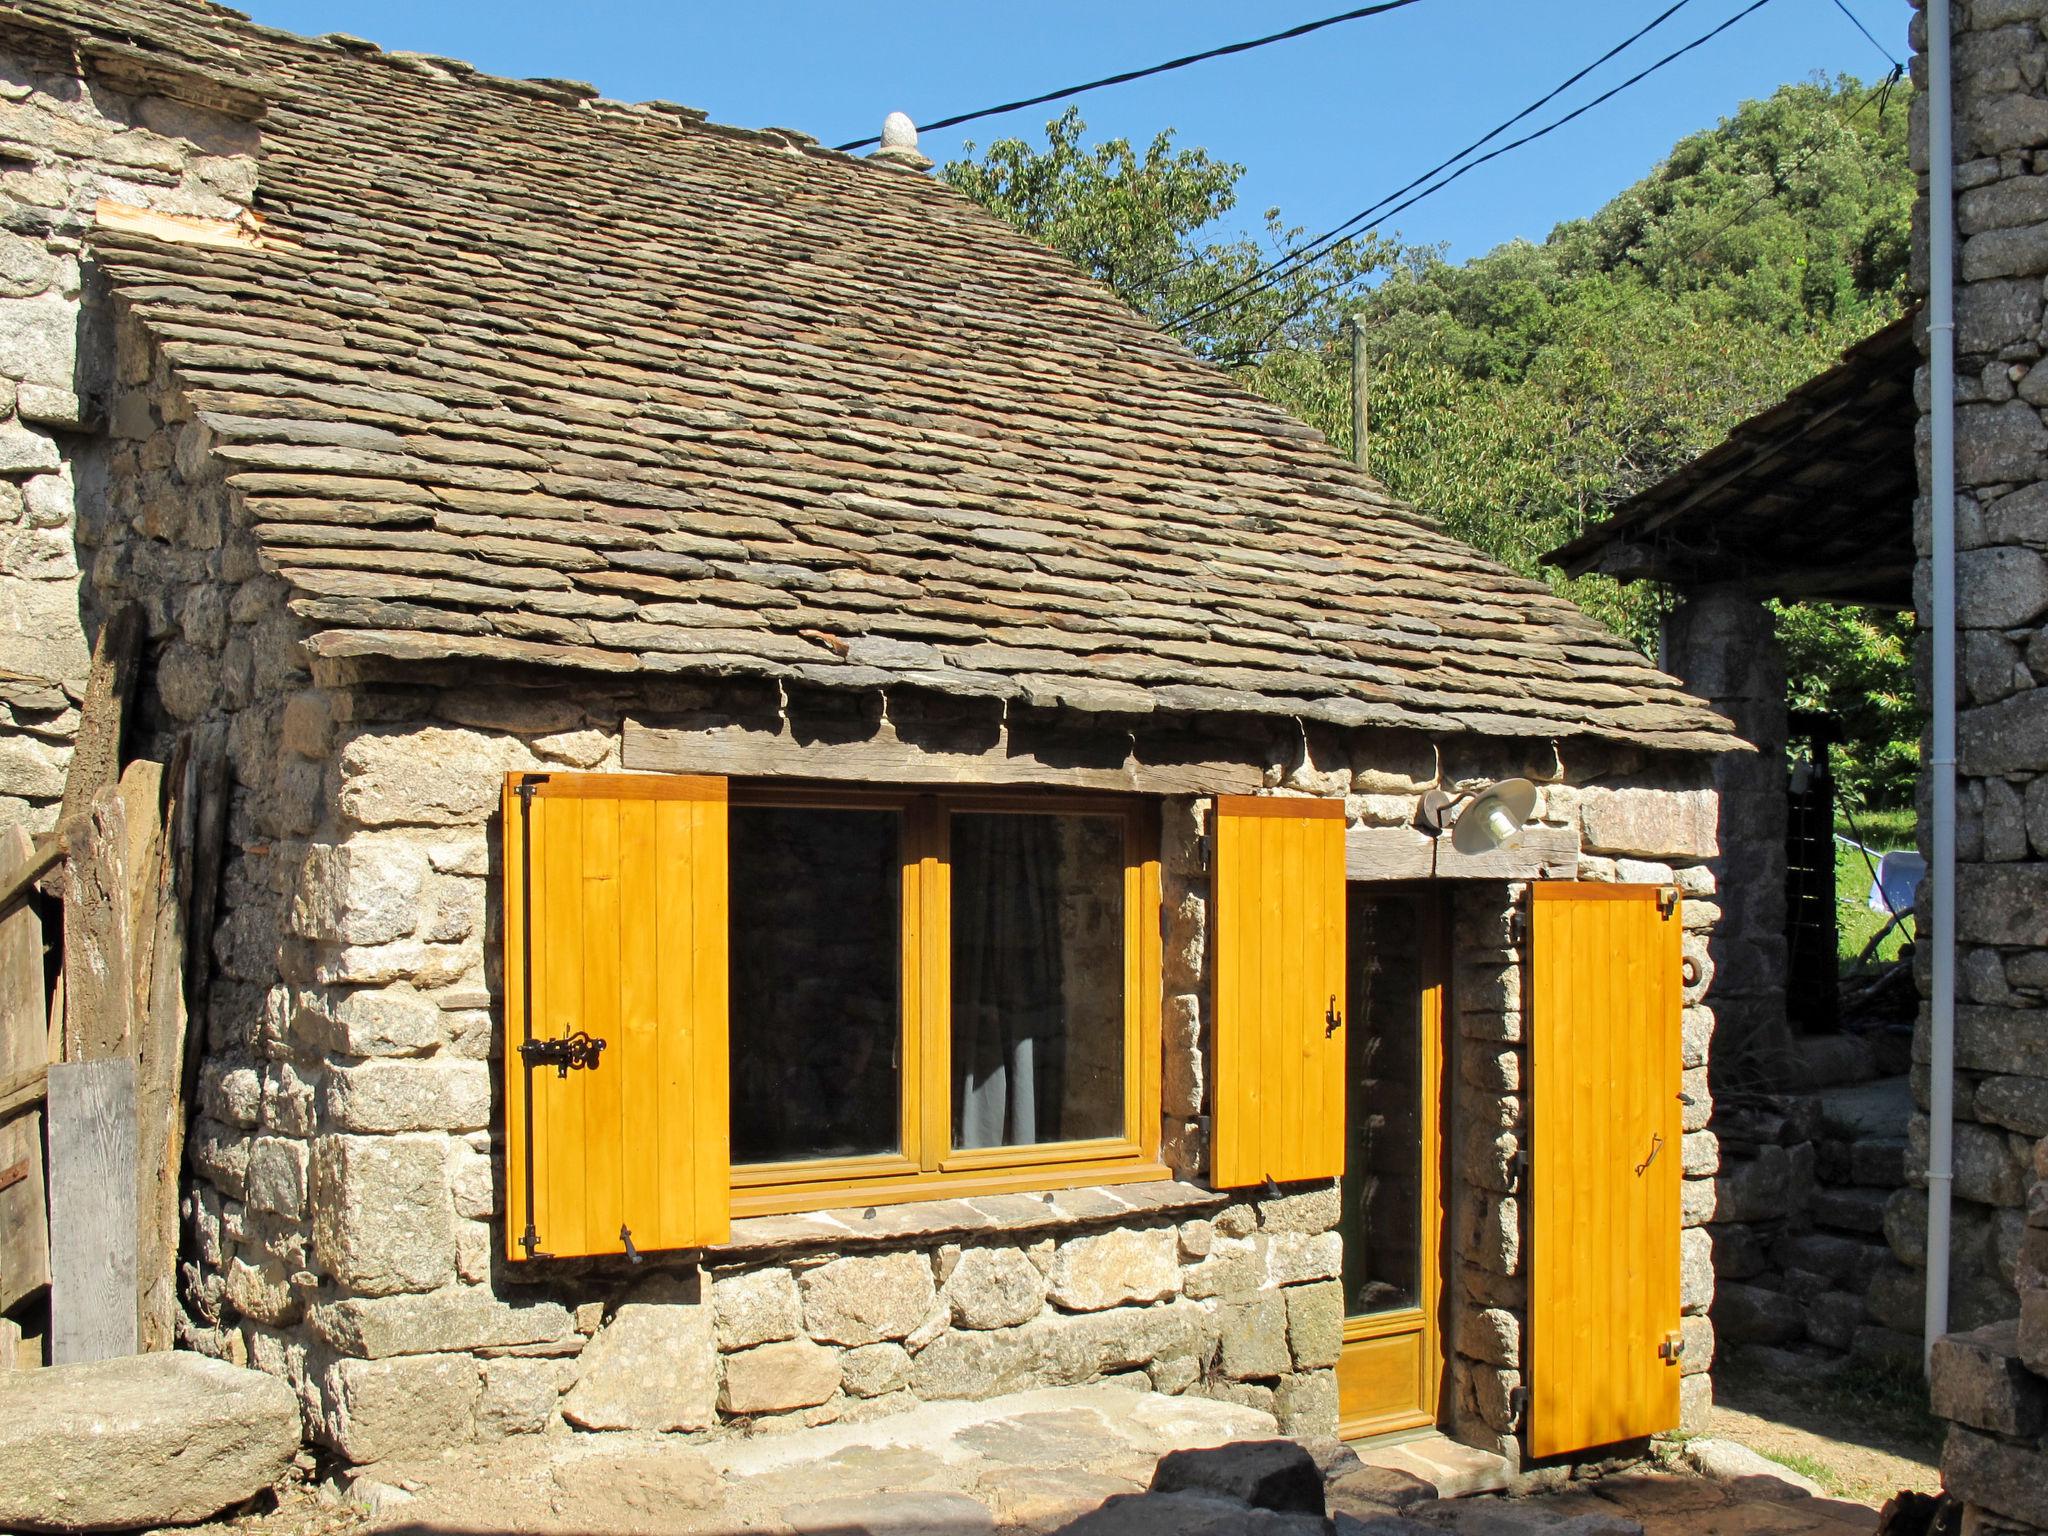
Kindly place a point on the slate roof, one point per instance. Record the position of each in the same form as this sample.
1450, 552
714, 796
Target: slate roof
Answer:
523, 375
1808, 500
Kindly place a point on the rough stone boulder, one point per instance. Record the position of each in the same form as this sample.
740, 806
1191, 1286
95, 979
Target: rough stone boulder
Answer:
143, 1440
1267, 1474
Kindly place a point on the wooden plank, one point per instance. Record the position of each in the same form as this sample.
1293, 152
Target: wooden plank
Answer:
23, 1023
98, 982
157, 1040
165, 1030
20, 1089
96, 750
1408, 853
24, 1216
46, 851
92, 1210
884, 757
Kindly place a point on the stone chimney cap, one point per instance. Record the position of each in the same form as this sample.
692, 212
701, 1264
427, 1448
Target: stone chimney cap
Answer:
899, 144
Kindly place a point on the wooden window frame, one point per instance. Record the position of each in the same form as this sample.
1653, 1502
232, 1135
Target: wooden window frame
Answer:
928, 1166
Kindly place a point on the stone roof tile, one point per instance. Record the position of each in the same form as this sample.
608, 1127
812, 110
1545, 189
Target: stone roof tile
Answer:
523, 376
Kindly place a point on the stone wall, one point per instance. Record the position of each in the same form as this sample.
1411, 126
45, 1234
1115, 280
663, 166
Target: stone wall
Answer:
2001, 1100
1724, 647
354, 1080
1991, 1384
74, 132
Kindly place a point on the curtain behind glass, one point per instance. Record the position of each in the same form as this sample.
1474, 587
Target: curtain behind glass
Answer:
1037, 979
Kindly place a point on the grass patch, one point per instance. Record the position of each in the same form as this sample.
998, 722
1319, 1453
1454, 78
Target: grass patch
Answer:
1882, 832
1809, 1467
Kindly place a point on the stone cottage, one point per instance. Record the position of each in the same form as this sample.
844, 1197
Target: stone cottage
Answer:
822, 816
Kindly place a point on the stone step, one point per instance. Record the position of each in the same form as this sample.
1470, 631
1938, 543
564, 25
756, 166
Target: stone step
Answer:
1452, 1470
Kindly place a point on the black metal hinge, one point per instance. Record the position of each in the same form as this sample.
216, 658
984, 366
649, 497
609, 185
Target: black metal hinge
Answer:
570, 1053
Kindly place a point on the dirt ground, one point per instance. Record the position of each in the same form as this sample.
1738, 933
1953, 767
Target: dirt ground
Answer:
1861, 1456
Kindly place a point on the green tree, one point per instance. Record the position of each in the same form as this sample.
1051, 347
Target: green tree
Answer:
1146, 225
1521, 395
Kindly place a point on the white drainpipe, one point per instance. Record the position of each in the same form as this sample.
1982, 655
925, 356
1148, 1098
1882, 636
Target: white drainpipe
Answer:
1941, 372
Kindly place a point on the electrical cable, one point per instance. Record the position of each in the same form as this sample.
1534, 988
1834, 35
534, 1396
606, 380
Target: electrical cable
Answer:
1308, 248
1879, 94
1276, 275
1154, 69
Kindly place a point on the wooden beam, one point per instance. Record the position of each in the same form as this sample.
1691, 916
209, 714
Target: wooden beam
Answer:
92, 1210
882, 756
22, 1088
98, 982
43, 856
96, 749
1408, 853
160, 1055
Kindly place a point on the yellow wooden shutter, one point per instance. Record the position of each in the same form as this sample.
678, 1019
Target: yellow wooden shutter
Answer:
627, 944
1279, 935
1604, 1055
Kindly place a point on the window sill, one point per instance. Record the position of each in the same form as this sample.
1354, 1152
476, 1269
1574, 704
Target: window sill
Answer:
977, 1216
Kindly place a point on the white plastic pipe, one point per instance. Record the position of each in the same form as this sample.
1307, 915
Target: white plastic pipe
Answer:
1941, 490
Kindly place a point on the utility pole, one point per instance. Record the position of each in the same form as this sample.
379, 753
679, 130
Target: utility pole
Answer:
1361, 396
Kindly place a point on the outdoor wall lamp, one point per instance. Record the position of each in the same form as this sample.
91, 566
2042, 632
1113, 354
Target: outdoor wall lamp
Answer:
1480, 820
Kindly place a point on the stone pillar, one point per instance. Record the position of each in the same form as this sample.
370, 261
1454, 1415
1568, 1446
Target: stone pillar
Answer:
1724, 647
2001, 513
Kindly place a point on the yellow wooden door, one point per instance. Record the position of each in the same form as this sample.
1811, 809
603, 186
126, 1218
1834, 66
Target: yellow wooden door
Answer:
1603, 1264
1279, 989
615, 916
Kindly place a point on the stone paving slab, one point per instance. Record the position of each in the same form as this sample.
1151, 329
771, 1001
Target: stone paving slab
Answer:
1073, 1461
1026, 1462
1449, 1470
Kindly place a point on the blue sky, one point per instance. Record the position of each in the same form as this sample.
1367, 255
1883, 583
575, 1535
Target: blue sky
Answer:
1324, 124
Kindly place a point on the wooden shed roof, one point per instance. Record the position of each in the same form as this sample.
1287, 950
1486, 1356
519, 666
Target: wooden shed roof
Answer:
1809, 500
517, 374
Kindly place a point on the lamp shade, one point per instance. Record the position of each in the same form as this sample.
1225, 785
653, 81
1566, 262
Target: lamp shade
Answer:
1495, 816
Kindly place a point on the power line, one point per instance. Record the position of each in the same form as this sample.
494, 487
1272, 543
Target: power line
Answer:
1878, 94
1311, 249
1891, 58
1277, 275
1155, 69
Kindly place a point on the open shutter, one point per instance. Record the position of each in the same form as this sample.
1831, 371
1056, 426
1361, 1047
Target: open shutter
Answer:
1279, 935
615, 917
1605, 997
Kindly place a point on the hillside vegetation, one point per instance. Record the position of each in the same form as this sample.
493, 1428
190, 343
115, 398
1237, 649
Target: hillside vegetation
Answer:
1520, 395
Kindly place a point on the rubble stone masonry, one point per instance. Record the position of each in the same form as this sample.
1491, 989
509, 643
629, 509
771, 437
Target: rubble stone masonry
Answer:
74, 133
348, 1214
2001, 229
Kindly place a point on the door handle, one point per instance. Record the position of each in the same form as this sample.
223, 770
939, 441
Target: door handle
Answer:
1656, 1146
1332, 1019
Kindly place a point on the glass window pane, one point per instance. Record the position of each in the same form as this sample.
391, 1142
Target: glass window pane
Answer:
1382, 1187
816, 974
1038, 979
